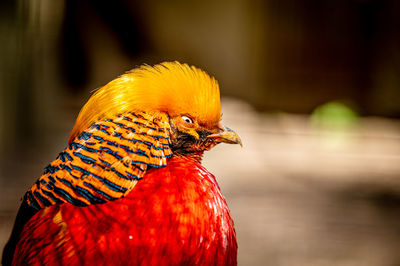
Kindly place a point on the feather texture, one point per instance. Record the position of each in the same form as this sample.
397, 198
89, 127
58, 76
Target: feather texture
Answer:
176, 215
105, 161
169, 87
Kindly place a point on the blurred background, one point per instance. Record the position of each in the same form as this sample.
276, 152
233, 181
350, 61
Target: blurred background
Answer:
312, 87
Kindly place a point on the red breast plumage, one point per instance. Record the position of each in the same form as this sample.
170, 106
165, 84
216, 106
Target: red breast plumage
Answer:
176, 215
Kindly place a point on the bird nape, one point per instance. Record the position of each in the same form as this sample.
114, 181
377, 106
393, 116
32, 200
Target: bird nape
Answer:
129, 188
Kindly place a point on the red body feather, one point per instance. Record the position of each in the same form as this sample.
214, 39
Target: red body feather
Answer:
176, 215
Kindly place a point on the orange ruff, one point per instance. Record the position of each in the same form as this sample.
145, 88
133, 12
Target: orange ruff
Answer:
104, 162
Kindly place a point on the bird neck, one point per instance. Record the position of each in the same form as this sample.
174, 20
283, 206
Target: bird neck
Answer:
193, 156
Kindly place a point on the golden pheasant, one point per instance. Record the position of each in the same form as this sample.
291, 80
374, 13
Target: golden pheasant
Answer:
129, 189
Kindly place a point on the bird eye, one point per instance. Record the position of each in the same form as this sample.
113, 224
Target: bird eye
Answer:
187, 119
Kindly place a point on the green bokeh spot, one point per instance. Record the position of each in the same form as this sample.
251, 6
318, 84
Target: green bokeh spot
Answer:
334, 115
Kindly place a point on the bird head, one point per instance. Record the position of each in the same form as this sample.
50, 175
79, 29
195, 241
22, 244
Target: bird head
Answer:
188, 95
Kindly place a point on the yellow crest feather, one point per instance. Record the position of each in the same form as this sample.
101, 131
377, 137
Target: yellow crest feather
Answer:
169, 87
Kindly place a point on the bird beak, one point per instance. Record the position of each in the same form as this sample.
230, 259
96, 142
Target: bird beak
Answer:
226, 135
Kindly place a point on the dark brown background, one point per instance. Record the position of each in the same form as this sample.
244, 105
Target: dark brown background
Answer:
299, 194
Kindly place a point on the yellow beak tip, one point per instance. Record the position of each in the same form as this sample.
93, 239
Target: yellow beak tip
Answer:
227, 136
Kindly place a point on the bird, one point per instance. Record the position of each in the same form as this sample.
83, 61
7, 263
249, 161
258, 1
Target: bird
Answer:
129, 188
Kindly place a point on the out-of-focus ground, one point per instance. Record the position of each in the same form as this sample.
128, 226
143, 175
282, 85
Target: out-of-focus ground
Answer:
299, 195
